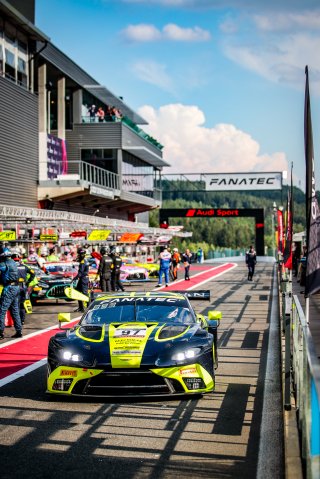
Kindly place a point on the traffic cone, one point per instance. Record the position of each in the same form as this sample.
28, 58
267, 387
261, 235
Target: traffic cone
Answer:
8, 321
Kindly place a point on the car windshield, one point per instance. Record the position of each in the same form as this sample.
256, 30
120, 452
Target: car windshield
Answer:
60, 268
114, 312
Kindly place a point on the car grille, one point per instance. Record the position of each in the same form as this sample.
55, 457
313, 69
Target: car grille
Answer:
133, 276
124, 382
57, 291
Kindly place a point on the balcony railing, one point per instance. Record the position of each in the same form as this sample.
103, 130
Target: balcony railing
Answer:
99, 176
94, 175
128, 123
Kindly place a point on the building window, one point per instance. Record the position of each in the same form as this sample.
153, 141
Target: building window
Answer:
103, 158
10, 65
22, 72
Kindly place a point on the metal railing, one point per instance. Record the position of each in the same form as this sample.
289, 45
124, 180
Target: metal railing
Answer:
301, 373
306, 383
98, 176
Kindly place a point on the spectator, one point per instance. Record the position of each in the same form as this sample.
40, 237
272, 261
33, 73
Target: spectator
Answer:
165, 262
52, 256
175, 263
200, 255
92, 113
100, 114
187, 259
251, 261
108, 114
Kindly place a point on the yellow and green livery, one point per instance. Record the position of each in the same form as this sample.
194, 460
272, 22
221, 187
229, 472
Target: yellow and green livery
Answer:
141, 343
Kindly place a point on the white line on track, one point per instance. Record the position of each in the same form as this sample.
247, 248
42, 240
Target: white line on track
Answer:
22, 372
37, 333
234, 265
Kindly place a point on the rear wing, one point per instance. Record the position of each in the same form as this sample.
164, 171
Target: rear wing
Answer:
197, 294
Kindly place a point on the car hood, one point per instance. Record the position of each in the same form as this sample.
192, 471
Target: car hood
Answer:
132, 344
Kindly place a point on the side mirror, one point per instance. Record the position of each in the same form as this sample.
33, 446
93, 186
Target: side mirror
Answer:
214, 315
64, 318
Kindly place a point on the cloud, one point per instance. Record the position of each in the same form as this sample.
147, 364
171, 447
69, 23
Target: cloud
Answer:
307, 20
189, 146
154, 73
237, 4
149, 33
281, 59
195, 34
142, 33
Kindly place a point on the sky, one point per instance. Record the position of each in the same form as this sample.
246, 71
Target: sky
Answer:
220, 82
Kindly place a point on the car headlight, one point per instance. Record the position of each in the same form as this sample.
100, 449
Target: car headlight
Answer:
69, 356
187, 354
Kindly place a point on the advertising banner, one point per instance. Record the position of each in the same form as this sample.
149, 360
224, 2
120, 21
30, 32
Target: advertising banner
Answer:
99, 235
57, 162
130, 237
137, 182
7, 235
47, 237
243, 181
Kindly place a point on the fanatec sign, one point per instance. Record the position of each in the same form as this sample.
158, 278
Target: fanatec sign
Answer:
243, 181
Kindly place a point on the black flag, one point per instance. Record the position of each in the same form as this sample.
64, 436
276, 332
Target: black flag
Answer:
312, 207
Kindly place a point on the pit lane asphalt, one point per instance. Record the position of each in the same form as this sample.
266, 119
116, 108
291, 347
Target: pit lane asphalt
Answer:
217, 435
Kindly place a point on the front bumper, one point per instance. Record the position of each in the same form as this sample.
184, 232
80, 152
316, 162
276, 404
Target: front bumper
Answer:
177, 380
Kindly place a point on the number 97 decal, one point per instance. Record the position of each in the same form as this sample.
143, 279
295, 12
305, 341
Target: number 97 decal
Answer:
126, 333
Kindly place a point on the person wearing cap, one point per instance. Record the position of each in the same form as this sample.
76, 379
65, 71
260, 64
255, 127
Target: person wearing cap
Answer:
165, 262
9, 301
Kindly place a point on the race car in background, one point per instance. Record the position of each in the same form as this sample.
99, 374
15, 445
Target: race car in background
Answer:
63, 268
152, 268
144, 343
131, 273
49, 286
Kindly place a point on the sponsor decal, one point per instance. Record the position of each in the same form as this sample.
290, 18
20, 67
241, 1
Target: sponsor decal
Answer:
188, 371
68, 372
211, 212
130, 333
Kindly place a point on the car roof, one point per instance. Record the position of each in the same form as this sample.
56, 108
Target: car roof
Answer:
143, 294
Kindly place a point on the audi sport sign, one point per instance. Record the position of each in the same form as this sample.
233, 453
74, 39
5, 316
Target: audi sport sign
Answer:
243, 181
